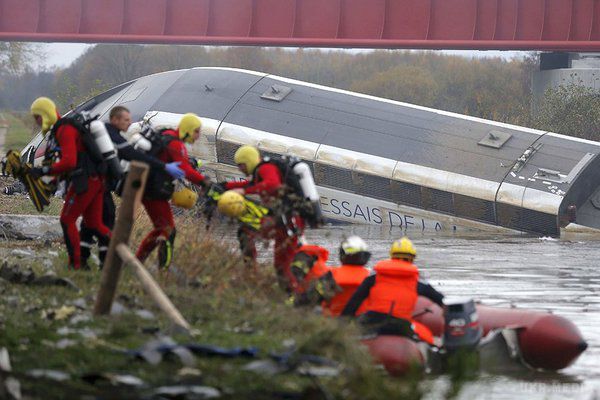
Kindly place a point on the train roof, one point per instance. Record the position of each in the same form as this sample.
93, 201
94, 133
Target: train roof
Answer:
443, 150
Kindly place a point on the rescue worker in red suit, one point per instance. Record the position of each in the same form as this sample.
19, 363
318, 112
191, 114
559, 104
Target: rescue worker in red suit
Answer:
390, 295
119, 121
159, 188
86, 187
267, 182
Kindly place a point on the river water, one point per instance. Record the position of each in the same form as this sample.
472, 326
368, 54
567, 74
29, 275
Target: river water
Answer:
529, 272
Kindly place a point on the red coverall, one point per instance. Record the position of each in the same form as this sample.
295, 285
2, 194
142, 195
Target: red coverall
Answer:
266, 182
87, 204
159, 210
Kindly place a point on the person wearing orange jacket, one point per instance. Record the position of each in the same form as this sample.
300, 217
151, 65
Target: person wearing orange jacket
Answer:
160, 188
266, 180
331, 286
74, 163
308, 267
389, 296
354, 255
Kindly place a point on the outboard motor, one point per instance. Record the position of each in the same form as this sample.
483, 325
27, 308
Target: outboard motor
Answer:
463, 331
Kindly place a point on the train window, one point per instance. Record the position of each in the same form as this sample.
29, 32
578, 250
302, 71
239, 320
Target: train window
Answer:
132, 95
439, 200
527, 220
269, 154
473, 208
333, 177
276, 93
226, 151
374, 186
406, 193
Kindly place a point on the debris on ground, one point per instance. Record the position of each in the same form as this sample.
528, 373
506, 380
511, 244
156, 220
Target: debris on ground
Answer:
154, 350
181, 391
114, 379
21, 253
30, 227
187, 372
26, 276
13, 388
86, 333
265, 367
50, 374
4, 360
145, 314
320, 371
59, 314
64, 343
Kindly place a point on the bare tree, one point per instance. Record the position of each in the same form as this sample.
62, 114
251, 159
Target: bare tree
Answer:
17, 57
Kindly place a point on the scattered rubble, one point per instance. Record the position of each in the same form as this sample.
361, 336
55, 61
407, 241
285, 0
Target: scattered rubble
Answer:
182, 391
30, 227
52, 375
59, 314
113, 379
13, 388
15, 274
265, 367
4, 360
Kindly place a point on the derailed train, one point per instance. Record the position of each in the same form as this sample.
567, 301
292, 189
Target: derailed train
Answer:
378, 161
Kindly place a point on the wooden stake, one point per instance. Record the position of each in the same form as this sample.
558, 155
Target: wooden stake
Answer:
152, 287
132, 196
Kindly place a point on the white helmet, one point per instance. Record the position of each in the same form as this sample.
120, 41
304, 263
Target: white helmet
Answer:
355, 251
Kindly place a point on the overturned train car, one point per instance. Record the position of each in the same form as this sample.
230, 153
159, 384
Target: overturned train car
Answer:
378, 161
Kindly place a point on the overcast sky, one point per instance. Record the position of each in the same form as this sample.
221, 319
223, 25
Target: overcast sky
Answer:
63, 54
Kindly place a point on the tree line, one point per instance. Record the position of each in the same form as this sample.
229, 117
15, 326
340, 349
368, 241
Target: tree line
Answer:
491, 88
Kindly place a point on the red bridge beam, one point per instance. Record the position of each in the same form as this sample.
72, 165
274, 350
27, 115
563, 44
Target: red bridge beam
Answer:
566, 25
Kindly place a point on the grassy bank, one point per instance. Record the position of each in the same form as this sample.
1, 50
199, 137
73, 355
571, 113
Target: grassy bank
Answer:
21, 204
227, 304
20, 130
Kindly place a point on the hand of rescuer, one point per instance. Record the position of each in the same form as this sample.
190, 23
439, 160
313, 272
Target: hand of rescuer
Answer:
38, 172
174, 170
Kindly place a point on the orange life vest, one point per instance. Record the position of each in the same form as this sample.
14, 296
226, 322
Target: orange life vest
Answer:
318, 269
348, 277
395, 289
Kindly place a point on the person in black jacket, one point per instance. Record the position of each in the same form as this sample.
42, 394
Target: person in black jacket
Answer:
119, 121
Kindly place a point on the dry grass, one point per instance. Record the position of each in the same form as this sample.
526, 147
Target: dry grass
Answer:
227, 305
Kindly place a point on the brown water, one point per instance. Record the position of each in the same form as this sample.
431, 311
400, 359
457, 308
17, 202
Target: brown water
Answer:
530, 272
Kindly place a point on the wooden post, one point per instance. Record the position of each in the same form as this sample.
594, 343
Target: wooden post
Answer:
152, 287
132, 196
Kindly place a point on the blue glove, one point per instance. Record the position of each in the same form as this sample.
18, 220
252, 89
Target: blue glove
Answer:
174, 170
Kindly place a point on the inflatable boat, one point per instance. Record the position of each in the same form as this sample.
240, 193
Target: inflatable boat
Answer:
537, 340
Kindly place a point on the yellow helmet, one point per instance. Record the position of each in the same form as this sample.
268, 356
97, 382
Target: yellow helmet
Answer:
187, 125
402, 248
231, 204
45, 108
184, 198
249, 156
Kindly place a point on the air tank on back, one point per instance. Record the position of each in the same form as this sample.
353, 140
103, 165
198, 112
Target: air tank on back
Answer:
106, 148
307, 183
